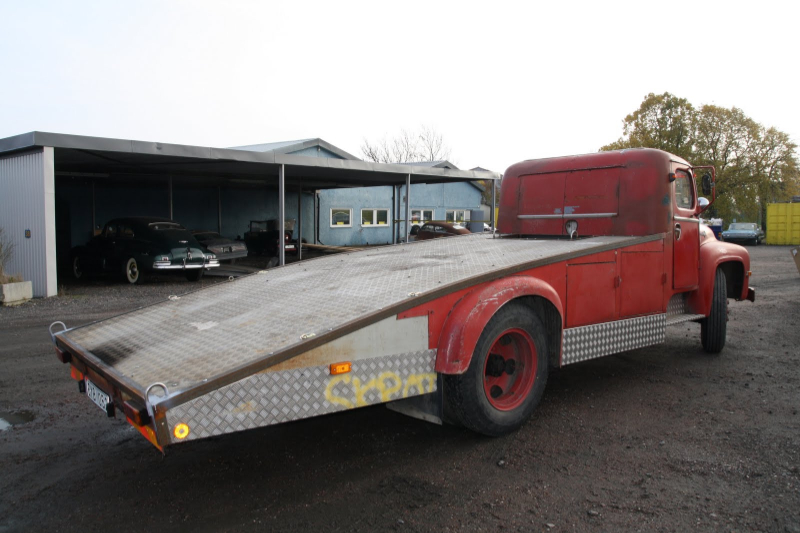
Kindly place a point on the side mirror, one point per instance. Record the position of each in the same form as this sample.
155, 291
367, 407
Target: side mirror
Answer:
706, 184
702, 204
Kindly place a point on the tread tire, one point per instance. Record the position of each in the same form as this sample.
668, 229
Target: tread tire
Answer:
465, 392
714, 328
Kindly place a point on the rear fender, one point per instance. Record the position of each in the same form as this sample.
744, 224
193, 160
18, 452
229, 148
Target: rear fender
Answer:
469, 317
733, 260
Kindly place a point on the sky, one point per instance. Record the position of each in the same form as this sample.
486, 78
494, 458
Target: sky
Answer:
501, 81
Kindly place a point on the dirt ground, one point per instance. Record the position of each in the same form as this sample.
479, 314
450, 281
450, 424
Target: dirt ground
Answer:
659, 439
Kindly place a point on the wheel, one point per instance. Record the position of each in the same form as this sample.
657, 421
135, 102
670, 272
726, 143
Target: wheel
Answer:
195, 274
77, 267
713, 328
506, 377
131, 271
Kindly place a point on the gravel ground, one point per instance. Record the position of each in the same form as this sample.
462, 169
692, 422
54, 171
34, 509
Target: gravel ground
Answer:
660, 439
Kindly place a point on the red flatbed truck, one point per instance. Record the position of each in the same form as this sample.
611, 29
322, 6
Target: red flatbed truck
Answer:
595, 254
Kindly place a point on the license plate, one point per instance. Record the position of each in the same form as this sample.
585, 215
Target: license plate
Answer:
100, 398
290, 246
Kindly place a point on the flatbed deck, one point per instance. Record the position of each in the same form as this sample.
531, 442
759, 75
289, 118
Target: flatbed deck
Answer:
217, 335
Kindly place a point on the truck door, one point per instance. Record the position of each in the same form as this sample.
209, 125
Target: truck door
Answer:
685, 232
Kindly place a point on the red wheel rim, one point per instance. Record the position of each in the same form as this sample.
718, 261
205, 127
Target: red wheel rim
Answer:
510, 369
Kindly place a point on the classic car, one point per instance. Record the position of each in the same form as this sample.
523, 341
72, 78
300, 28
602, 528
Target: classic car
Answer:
434, 230
744, 232
131, 246
262, 238
224, 248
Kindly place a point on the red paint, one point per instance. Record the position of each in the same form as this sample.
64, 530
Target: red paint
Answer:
510, 369
469, 317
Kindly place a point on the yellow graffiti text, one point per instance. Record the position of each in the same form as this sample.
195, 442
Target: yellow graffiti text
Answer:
386, 386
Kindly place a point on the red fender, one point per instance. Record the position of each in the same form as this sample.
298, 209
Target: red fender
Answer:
713, 253
469, 317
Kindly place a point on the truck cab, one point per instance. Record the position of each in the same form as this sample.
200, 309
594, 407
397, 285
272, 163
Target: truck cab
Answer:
630, 193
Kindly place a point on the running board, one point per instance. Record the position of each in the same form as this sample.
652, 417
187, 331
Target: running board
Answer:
680, 319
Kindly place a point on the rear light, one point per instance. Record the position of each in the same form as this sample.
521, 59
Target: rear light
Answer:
76, 374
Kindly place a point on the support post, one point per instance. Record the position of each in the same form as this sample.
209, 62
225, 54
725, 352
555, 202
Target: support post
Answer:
299, 236
94, 208
395, 217
219, 210
281, 215
491, 217
408, 204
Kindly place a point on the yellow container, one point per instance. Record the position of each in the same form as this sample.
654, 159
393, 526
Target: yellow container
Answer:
783, 223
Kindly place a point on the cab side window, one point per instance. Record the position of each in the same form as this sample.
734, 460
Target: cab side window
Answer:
684, 192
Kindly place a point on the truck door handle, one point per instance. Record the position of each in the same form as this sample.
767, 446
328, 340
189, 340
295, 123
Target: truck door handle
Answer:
677, 231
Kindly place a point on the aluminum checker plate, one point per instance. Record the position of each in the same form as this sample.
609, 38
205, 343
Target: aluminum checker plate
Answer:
212, 333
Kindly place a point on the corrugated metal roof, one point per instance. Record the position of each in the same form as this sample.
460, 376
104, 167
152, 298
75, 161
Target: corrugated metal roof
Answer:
271, 147
288, 147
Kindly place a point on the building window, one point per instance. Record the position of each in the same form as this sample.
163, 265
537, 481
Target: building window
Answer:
341, 217
457, 216
421, 216
374, 217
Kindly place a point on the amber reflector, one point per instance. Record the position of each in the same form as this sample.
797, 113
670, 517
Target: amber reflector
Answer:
181, 431
340, 368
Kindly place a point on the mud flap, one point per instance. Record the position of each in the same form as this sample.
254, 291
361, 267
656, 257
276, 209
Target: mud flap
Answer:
428, 407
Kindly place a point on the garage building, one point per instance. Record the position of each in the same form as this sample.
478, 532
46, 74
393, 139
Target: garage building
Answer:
55, 189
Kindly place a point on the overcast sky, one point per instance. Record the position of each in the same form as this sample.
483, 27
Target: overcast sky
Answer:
501, 81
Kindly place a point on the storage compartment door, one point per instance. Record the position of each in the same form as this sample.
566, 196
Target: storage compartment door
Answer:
591, 293
641, 285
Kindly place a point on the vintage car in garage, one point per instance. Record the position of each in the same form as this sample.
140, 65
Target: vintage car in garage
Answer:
130, 246
224, 248
435, 230
745, 232
262, 237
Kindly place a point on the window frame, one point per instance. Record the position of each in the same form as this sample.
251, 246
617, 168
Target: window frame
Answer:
455, 220
374, 217
422, 220
349, 224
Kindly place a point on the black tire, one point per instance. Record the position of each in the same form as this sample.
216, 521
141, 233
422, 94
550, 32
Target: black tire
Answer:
714, 328
77, 268
494, 412
130, 269
195, 274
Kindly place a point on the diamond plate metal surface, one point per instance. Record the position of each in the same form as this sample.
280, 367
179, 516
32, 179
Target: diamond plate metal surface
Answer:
589, 342
212, 331
676, 305
677, 310
270, 398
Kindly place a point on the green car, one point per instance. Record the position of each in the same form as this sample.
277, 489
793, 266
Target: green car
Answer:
130, 246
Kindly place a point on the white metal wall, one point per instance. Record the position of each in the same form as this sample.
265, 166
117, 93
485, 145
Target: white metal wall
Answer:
27, 202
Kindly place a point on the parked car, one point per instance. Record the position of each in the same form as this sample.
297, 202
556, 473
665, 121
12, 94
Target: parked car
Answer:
224, 248
262, 238
434, 230
744, 232
130, 246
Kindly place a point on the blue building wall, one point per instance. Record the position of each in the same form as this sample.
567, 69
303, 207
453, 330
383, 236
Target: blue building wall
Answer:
438, 198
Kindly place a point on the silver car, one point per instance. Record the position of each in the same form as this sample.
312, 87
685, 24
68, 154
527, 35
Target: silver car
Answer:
748, 232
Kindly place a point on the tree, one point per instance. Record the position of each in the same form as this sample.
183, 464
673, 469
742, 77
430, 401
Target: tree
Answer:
754, 164
407, 147
662, 121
